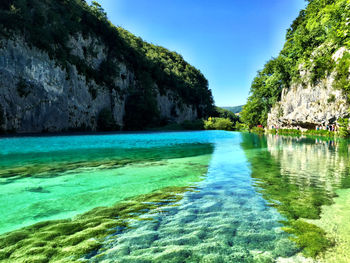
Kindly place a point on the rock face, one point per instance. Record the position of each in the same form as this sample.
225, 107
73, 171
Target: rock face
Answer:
37, 95
307, 106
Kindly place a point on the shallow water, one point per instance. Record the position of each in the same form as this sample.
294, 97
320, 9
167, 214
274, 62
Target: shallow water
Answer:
171, 197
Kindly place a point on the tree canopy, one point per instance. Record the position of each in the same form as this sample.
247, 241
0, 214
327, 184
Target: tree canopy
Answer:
50, 24
314, 36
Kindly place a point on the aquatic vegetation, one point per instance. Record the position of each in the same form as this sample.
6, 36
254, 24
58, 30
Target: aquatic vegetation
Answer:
79, 191
309, 237
310, 133
209, 197
43, 165
335, 221
224, 220
296, 190
70, 239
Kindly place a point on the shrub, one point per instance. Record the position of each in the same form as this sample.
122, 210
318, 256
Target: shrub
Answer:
288, 132
241, 127
223, 113
343, 127
259, 130
218, 124
342, 74
325, 133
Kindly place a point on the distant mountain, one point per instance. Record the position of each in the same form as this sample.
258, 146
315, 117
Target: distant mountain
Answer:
235, 109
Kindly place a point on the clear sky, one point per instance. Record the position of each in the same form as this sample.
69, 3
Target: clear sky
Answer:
227, 40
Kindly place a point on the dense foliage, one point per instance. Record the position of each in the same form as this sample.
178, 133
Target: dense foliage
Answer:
50, 24
227, 114
320, 30
344, 127
218, 124
222, 119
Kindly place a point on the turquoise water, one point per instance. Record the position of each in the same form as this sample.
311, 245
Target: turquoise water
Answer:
210, 196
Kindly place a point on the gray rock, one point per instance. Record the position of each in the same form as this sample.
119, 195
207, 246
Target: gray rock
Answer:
306, 107
37, 95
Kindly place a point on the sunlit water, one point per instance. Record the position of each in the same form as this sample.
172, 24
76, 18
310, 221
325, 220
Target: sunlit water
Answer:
170, 197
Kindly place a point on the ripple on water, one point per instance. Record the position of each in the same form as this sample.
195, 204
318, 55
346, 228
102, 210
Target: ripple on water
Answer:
154, 198
225, 220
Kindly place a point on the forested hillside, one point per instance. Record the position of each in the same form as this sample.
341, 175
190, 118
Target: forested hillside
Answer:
51, 26
316, 48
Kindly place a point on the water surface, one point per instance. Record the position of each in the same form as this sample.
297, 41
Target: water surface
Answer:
173, 197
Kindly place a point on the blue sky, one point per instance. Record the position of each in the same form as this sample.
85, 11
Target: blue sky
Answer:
227, 40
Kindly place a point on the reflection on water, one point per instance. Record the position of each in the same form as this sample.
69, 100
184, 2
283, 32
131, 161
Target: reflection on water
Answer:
174, 197
312, 162
225, 220
298, 176
107, 182
59, 189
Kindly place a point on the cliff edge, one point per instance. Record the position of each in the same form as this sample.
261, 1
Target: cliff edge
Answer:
65, 67
308, 83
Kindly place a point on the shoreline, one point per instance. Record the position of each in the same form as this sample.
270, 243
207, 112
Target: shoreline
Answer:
87, 133
328, 135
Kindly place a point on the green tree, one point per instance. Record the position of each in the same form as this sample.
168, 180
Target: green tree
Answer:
218, 124
318, 31
226, 114
156, 69
98, 10
344, 124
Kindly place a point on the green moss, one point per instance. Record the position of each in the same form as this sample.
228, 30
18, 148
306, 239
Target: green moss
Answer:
334, 219
309, 237
107, 159
69, 240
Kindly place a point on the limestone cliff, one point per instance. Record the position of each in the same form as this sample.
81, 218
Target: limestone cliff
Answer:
305, 106
86, 74
308, 83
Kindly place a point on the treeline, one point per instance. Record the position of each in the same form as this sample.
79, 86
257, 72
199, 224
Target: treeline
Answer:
222, 119
319, 30
49, 24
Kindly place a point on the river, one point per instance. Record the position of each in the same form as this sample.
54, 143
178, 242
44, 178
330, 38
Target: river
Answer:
207, 196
